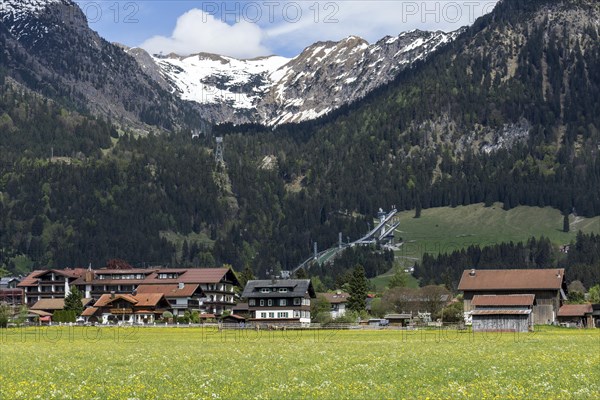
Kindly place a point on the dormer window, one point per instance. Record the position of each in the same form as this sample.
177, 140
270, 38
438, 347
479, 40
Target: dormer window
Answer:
265, 290
283, 290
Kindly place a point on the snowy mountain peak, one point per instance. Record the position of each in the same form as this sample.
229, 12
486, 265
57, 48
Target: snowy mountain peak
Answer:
17, 15
17, 8
275, 90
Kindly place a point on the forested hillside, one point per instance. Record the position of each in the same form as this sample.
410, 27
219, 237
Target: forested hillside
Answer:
505, 113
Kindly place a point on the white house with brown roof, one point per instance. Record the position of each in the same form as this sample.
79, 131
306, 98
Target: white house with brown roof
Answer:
338, 301
547, 286
126, 308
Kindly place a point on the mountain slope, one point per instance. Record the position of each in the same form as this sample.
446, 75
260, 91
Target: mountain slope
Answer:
275, 90
49, 47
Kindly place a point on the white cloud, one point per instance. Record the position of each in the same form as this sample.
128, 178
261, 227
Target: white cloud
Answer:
197, 31
285, 27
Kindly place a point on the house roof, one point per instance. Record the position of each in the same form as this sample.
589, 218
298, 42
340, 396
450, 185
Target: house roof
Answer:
54, 304
139, 300
88, 312
106, 299
335, 298
241, 307
575, 310
32, 278
503, 300
40, 313
512, 279
236, 317
296, 288
193, 275
8, 279
171, 290
501, 312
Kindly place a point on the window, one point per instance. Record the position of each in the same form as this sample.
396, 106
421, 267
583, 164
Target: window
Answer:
283, 302
252, 302
263, 315
282, 315
271, 315
270, 302
262, 303
264, 290
296, 314
282, 290
274, 289
297, 301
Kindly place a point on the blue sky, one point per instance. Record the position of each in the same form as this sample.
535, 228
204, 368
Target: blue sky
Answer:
248, 28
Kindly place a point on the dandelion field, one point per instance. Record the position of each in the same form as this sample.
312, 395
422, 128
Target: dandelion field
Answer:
197, 363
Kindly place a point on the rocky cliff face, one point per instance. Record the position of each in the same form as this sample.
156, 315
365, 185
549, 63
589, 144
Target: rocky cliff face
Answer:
49, 47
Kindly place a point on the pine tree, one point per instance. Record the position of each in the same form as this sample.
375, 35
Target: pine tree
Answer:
566, 223
358, 290
73, 301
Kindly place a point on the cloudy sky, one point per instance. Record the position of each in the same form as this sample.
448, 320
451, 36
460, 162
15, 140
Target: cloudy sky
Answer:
246, 29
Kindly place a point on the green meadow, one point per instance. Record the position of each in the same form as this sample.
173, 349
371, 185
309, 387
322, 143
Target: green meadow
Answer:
445, 229
196, 363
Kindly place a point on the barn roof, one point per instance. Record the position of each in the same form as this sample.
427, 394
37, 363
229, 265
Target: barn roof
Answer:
512, 279
503, 300
501, 312
575, 310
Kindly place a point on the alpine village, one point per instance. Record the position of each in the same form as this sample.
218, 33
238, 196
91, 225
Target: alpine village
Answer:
417, 217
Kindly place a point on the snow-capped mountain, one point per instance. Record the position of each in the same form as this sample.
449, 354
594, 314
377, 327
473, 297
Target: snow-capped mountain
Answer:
275, 90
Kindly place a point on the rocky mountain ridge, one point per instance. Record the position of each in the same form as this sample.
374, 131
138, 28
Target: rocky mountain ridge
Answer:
275, 90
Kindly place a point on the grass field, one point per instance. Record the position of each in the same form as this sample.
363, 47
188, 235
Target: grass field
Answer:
195, 363
445, 229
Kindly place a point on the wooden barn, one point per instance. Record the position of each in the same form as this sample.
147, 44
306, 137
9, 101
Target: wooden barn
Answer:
502, 313
546, 285
580, 315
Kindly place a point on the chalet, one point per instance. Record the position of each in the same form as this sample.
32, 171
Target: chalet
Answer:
126, 308
217, 285
48, 284
338, 303
279, 301
182, 297
546, 285
576, 315
502, 313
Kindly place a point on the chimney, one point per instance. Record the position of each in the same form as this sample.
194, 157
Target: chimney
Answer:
472, 273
